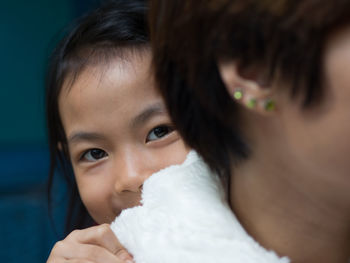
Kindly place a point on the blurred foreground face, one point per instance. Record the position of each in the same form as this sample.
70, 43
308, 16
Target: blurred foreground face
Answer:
318, 137
310, 143
119, 133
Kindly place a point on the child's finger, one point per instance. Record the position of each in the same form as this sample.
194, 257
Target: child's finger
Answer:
93, 253
71, 252
76, 260
102, 236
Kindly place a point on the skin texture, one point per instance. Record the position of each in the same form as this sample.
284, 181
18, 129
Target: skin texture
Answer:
119, 134
96, 244
300, 156
108, 108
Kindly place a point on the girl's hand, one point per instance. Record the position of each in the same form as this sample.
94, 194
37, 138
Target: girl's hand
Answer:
96, 244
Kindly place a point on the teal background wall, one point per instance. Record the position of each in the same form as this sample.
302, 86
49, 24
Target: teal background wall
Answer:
29, 31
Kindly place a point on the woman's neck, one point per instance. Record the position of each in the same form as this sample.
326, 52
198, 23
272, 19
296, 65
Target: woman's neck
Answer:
286, 211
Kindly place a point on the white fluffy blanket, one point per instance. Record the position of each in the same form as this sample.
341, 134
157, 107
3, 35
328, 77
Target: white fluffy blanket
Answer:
184, 217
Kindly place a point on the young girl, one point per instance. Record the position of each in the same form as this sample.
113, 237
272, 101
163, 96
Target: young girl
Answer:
267, 91
108, 123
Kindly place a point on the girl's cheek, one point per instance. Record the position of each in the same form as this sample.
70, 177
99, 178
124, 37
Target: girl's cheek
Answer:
95, 202
94, 189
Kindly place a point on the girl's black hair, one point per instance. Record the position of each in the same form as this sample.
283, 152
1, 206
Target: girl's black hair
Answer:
115, 28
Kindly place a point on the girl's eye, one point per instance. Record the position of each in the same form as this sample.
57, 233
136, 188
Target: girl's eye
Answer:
158, 132
94, 155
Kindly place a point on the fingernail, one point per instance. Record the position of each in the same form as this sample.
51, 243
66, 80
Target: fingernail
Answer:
126, 257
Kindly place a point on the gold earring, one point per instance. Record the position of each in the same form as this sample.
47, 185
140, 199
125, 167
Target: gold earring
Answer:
269, 105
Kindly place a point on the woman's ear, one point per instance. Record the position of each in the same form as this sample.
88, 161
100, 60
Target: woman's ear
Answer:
249, 90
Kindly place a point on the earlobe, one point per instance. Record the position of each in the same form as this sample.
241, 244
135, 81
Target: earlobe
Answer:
59, 146
248, 92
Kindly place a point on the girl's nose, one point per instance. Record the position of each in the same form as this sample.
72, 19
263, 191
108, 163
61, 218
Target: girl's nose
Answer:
130, 172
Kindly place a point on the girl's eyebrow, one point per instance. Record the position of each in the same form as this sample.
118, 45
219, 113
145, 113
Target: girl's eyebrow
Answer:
84, 136
137, 121
147, 113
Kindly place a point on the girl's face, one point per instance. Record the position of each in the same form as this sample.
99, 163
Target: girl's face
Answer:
118, 132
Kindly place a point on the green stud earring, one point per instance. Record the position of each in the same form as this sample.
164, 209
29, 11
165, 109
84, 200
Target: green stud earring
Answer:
269, 105
238, 94
251, 103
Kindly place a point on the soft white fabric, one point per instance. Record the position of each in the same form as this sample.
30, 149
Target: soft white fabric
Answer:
184, 218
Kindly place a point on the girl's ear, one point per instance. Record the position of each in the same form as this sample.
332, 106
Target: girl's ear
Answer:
59, 146
250, 91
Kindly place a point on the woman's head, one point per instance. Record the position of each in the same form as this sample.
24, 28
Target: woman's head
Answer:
105, 117
206, 52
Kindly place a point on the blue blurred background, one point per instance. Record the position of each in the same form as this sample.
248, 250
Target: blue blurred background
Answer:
29, 31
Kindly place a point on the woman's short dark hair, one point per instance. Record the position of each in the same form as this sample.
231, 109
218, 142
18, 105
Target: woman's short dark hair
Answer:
284, 39
113, 30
